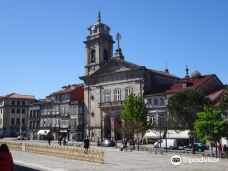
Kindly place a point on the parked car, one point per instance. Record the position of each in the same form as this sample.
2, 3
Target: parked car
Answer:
107, 143
171, 144
21, 137
198, 147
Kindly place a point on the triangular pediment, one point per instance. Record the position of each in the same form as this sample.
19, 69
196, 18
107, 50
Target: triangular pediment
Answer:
116, 65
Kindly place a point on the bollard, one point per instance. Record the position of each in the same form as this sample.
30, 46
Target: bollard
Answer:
23, 147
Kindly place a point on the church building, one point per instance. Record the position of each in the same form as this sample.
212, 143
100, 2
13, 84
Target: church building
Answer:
109, 79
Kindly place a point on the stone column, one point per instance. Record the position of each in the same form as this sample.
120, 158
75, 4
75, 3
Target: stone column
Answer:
112, 127
102, 126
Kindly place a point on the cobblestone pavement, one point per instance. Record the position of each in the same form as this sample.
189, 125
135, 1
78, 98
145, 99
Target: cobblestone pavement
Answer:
116, 160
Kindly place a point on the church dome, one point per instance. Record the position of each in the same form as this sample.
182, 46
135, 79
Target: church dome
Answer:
196, 74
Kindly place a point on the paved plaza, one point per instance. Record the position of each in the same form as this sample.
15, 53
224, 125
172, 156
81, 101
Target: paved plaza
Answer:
117, 160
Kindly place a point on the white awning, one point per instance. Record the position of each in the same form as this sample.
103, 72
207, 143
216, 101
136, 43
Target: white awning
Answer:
173, 134
151, 134
176, 134
43, 132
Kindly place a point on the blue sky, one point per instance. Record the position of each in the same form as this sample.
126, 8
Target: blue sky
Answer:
41, 45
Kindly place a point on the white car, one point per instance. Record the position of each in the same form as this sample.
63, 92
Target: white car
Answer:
20, 138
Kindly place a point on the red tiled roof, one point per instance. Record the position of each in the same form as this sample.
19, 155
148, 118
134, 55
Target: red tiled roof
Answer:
217, 102
66, 89
213, 96
19, 96
76, 92
192, 82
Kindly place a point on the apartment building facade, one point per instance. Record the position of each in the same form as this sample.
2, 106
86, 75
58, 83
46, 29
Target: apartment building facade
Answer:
14, 114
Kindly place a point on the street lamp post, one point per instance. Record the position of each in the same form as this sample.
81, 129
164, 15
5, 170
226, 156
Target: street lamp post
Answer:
20, 131
59, 116
159, 120
166, 129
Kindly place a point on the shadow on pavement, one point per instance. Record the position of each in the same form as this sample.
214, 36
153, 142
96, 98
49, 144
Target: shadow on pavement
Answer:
23, 168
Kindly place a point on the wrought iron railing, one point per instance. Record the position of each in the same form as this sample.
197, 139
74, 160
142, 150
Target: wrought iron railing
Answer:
111, 104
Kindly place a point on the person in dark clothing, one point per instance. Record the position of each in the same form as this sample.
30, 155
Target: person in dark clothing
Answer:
60, 140
225, 150
86, 145
6, 160
49, 139
64, 141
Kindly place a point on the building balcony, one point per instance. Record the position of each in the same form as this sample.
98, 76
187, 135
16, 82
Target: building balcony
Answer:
150, 106
115, 104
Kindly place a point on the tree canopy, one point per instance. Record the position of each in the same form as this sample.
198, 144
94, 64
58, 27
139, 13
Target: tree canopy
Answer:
210, 125
134, 115
183, 108
223, 100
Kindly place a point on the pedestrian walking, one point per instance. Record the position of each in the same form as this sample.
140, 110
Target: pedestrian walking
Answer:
60, 140
49, 139
6, 160
86, 144
225, 150
220, 150
64, 141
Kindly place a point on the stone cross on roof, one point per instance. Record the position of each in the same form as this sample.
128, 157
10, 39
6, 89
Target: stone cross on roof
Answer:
99, 17
186, 69
118, 37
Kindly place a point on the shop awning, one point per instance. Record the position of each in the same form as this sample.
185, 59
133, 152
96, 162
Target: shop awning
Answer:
151, 134
173, 134
43, 132
176, 134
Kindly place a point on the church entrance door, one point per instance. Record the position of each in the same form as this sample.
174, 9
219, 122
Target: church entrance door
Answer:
107, 127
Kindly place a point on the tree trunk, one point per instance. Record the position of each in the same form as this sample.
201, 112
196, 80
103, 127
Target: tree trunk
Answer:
193, 147
138, 145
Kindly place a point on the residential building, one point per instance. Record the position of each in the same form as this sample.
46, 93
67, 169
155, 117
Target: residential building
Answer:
14, 114
33, 123
62, 113
209, 85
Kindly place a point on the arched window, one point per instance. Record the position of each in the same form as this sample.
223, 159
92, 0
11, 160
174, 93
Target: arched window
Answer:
128, 91
117, 95
105, 53
106, 96
92, 56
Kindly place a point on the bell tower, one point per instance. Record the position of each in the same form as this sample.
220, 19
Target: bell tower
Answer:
99, 46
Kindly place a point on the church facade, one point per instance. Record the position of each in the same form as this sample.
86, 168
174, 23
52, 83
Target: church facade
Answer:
109, 79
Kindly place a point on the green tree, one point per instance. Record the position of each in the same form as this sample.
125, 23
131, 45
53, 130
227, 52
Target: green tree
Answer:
223, 101
210, 125
134, 116
183, 108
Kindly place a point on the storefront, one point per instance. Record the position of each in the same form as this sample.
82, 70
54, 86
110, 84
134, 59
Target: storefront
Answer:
182, 136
